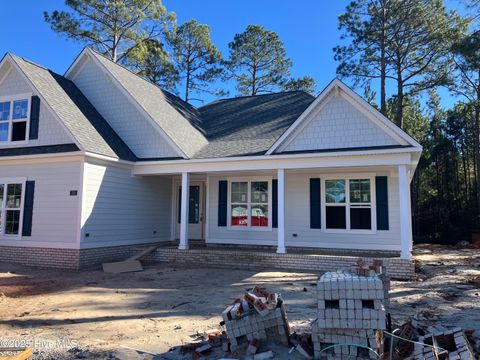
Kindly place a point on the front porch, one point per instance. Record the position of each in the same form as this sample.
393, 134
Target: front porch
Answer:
266, 258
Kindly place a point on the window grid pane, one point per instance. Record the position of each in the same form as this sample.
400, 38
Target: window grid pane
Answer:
20, 109
335, 191
5, 111
239, 215
4, 131
360, 191
239, 192
14, 196
12, 223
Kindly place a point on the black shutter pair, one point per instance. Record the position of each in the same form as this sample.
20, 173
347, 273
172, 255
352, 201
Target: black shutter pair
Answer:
381, 192
28, 208
223, 203
34, 117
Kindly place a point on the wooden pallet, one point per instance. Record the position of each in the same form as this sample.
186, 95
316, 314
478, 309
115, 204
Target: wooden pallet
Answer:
25, 353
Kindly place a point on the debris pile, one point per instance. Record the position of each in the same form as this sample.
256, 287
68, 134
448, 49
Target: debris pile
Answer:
444, 344
351, 312
259, 315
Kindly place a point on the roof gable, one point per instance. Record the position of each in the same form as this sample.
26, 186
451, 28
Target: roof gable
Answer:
340, 119
177, 121
81, 120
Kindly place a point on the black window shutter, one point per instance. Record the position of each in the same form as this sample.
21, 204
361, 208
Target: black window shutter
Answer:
222, 202
275, 203
315, 204
28, 208
381, 191
34, 117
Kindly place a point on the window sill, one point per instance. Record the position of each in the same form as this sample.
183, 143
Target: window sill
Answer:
13, 143
10, 237
353, 232
249, 228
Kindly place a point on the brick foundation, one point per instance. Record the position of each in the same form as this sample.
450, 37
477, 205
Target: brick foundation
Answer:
75, 259
395, 268
67, 259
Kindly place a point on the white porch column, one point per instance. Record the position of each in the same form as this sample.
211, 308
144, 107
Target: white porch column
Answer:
184, 211
405, 212
281, 212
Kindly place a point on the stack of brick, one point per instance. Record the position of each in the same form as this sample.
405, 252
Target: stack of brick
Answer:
259, 315
351, 310
444, 345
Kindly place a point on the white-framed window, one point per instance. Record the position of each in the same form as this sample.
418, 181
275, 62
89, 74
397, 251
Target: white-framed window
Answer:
250, 203
12, 196
14, 118
348, 203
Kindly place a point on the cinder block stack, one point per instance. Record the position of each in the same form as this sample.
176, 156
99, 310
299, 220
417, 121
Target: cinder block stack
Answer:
258, 315
351, 310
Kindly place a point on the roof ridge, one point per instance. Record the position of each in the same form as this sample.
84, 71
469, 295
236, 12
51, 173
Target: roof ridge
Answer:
140, 77
256, 96
32, 63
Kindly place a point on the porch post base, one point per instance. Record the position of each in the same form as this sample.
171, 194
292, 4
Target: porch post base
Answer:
281, 250
182, 247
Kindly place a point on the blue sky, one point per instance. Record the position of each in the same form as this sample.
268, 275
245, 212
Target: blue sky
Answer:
308, 29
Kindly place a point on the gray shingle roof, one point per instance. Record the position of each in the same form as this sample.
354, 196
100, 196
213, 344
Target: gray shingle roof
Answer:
249, 125
175, 117
78, 115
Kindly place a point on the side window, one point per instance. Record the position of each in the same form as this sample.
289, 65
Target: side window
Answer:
14, 116
11, 208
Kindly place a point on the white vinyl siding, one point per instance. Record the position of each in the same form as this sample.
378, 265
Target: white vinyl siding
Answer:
120, 112
55, 212
297, 218
338, 125
121, 209
50, 131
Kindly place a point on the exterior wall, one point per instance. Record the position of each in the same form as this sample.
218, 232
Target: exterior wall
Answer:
297, 218
121, 209
50, 131
55, 212
255, 260
297, 214
338, 124
127, 121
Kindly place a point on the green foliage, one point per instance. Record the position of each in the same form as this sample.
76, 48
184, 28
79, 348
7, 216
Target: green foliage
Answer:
306, 83
403, 41
113, 27
150, 61
197, 59
258, 61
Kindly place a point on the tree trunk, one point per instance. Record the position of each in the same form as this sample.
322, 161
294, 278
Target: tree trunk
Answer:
187, 83
383, 65
477, 155
399, 105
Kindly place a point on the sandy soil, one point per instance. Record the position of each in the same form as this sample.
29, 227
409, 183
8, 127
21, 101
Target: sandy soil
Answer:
96, 315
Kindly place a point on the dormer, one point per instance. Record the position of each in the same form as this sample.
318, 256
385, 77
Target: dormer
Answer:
24, 120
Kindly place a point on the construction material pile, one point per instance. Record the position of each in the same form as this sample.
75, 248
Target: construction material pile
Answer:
445, 344
258, 315
352, 308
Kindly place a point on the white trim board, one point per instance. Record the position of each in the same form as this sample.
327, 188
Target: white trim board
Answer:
358, 102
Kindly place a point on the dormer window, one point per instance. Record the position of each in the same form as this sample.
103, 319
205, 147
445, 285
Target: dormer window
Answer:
14, 117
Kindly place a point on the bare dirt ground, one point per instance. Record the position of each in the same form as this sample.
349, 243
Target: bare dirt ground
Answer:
94, 315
